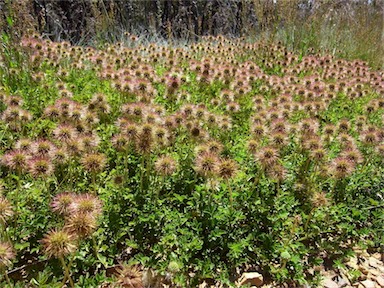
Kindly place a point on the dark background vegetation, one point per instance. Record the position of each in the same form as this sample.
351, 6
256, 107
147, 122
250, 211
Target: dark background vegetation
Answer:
352, 27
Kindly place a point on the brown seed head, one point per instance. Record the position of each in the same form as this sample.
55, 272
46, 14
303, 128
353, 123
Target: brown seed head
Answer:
206, 164
165, 165
267, 156
319, 199
58, 243
81, 225
227, 168
94, 162
341, 167
129, 276
7, 254
40, 166
6, 211
86, 203
61, 202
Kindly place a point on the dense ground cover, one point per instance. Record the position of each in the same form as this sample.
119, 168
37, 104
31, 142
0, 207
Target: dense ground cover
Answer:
199, 162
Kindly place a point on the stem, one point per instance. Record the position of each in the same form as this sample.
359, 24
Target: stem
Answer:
283, 264
210, 191
71, 170
17, 203
69, 265
148, 165
66, 273
142, 174
94, 182
257, 177
6, 277
308, 219
339, 189
63, 177
126, 170
230, 194
278, 187
2, 230
148, 171
371, 155
95, 247
161, 185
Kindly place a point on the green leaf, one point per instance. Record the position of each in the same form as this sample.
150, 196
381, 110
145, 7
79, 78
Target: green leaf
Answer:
10, 21
285, 255
21, 246
103, 260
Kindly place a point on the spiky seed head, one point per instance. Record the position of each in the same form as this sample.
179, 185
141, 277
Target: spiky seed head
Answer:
200, 113
81, 225
24, 145
16, 160
252, 146
60, 156
369, 137
277, 172
169, 122
278, 139
380, 150
77, 114
89, 141
90, 118
227, 168
214, 147
62, 202
120, 142
64, 132
329, 129
14, 100
43, 148
318, 154
319, 199
86, 203
129, 276
280, 125
201, 149
165, 165
341, 167
233, 107
267, 156
195, 130
118, 179
225, 124
344, 125
346, 140
146, 130
40, 166
206, 164
160, 133
58, 243
144, 145
132, 131
211, 119
6, 211
312, 143
94, 162
308, 126
258, 130
7, 254
353, 155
